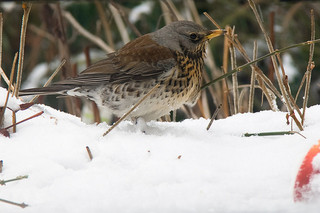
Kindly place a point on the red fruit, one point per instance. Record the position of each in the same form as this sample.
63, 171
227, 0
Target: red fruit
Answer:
306, 171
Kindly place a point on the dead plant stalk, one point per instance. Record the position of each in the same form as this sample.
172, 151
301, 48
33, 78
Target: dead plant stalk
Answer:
26, 11
287, 101
309, 68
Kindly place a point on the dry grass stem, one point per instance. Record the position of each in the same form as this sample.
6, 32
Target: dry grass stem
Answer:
50, 79
263, 78
22, 205
121, 27
194, 11
126, 19
171, 10
240, 68
31, 117
233, 61
289, 98
133, 108
2, 111
26, 11
214, 116
42, 33
287, 102
253, 78
106, 27
1, 165
96, 40
89, 153
309, 68
212, 20
287, 87
225, 89
5, 78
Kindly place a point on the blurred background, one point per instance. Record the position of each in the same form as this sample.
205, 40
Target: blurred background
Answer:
52, 36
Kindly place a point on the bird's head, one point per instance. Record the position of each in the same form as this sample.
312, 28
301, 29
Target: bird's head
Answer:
185, 36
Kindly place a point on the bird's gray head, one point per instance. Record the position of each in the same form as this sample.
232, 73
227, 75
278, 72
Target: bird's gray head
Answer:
184, 36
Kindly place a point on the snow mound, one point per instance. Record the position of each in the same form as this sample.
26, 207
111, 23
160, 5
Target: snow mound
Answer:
176, 167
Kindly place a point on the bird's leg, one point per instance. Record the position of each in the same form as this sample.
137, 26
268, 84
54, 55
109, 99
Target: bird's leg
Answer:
140, 123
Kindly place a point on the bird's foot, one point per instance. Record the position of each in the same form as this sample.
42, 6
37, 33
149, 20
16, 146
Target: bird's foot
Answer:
141, 124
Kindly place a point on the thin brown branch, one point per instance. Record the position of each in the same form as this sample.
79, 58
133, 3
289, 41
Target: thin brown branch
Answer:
96, 40
212, 20
225, 95
22, 205
50, 79
26, 11
172, 11
133, 108
105, 24
275, 64
5, 78
121, 27
126, 19
2, 111
309, 69
253, 78
287, 87
233, 61
214, 116
89, 153
33, 116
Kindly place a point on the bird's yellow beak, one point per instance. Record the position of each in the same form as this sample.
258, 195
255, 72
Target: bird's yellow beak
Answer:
214, 33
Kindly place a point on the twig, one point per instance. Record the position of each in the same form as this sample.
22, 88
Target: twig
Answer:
5, 78
235, 90
26, 11
126, 19
96, 40
50, 79
89, 152
226, 95
33, 116
194, 11
287, 87
212, 20
214, 116
309, 68
133, 108
22, 205
240, 68
3, 182
275, 65
273, 134
42, 32
2, 111
122, 29
172, 11
253, 78
104, 21
1, 165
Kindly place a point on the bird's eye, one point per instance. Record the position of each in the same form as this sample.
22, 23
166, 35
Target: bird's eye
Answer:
193, 36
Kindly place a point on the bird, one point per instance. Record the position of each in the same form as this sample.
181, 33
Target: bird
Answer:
171, 57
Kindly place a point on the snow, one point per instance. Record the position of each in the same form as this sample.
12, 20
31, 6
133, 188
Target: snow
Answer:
143, 8
174, 167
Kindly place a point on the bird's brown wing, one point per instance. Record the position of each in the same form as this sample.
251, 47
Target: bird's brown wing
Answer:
140, 59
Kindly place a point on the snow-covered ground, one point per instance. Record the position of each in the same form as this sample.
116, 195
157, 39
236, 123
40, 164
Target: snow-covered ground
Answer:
176, 167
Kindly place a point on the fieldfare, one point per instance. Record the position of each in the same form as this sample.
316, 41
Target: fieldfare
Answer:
171, 57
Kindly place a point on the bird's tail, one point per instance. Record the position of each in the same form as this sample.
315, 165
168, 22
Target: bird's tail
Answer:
51, 90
